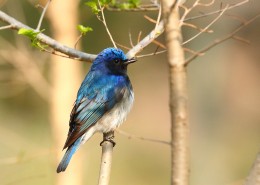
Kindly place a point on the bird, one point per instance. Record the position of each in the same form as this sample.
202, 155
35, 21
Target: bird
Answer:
103, 101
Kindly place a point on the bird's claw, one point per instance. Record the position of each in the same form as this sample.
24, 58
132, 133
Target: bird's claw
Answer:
109, 139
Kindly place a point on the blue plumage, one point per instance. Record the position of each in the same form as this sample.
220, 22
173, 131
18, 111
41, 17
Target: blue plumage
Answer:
103, 101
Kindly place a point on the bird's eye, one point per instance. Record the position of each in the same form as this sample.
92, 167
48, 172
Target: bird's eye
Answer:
116, 61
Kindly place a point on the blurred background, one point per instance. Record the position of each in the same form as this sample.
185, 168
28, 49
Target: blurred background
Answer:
37, 92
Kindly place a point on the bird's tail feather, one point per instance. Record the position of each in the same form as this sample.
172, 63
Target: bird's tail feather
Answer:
67, 156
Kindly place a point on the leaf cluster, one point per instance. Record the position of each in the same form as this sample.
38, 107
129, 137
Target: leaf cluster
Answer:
35, 42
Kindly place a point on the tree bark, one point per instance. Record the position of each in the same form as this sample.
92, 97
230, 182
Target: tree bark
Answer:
178, 96
66, 78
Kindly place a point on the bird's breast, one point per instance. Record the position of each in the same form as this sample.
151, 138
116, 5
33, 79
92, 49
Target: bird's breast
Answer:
115, 117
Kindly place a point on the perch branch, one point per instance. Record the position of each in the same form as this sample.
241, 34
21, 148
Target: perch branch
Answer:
106, 159
254, 175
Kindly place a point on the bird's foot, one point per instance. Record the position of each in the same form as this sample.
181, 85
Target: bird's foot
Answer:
108, 137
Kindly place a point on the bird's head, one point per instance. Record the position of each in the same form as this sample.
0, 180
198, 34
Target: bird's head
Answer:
112, 60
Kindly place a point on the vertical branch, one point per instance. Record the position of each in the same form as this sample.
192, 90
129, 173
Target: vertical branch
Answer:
178, 96
106, 159
254, 175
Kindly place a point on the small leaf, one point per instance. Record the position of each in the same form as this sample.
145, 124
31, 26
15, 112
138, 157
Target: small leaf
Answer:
134, 3
28, 32
83, 30
93, 6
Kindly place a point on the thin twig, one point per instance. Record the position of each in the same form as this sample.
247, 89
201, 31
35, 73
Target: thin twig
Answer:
139, 36
42, 15
204, 29
6, 27
130, 39
196, 27
159, 44
146, 41
105, 24
215, 12
241, 39
131, 136
77, 41
158, 17
219, 41
151, 54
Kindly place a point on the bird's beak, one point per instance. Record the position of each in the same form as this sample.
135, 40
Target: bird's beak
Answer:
129, 61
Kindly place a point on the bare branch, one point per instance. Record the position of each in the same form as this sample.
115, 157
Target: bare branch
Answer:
103, 20
130, 39
159, 44
150, 19
254, 175
6, 27
146, 41
42, 15
219, 41
158, 17
72, 53
196, 27
151, 54
130, 136
139, 36
241, 39
106, 159
216, 12
204, 29
180, 143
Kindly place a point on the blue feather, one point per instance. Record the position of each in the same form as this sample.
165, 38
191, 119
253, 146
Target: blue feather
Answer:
67, 156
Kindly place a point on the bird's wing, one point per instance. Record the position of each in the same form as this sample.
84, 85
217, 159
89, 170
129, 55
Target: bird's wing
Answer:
91, 108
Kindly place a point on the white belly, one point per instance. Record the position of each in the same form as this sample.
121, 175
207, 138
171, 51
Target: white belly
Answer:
113, 119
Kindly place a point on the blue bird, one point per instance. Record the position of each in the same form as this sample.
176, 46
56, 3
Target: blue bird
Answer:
103, 101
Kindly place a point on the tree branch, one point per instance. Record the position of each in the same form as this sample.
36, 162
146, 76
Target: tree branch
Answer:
216, 12
42, 15
72, 53
254, 175
103, 20
204, 29
178, 96
129, 136
106, 159
219, 41
156, 32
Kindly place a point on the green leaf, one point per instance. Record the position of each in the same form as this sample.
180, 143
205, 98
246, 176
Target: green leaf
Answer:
33, 36
93, 5
83, 30
28, 32
134, 3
